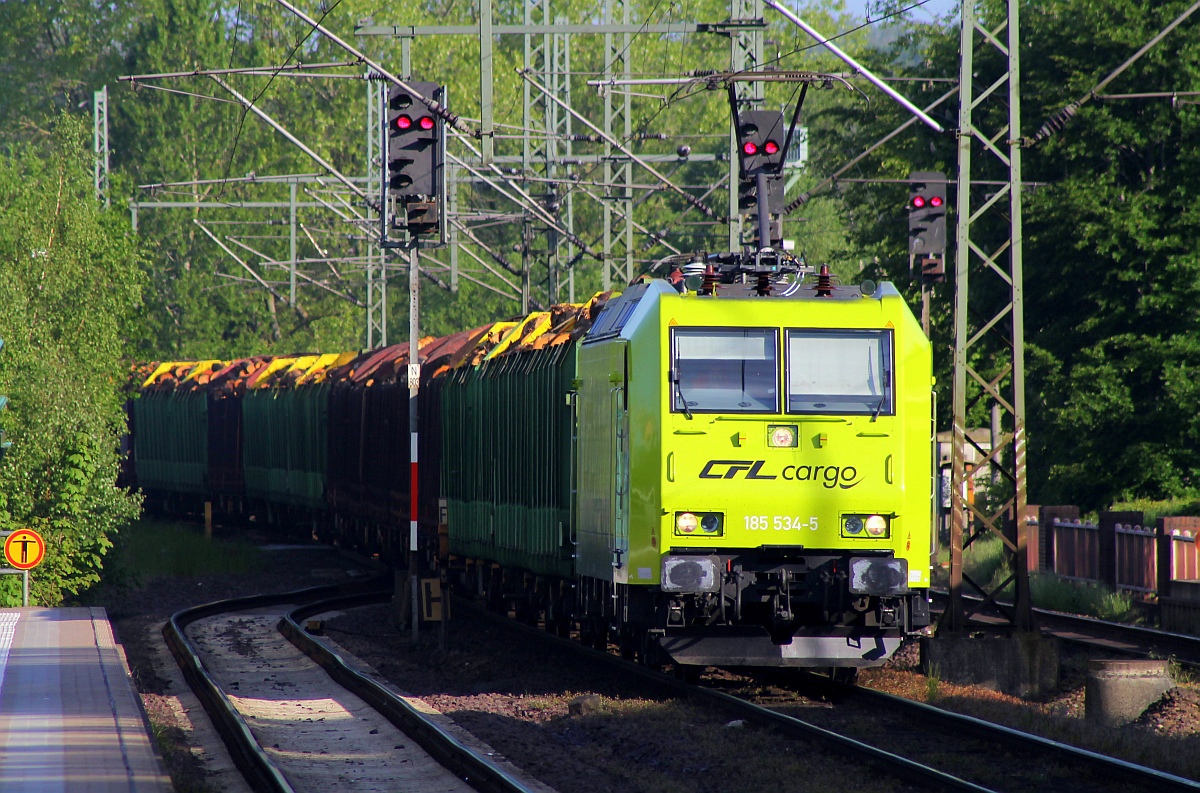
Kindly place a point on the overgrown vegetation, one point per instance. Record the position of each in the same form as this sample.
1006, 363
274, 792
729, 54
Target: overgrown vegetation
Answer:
1153, 509
70, 284
986, 562
152, 548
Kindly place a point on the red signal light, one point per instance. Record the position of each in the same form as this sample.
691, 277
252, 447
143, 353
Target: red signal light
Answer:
771, 147
403, 122
749, 148
426, 122
936, 201
918, 202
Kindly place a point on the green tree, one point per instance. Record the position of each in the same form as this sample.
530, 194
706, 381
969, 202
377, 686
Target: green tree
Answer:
70, 284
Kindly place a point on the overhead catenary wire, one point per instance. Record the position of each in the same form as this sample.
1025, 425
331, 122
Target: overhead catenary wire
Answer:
294, 140
137, 79
270, 260
707, 210
434, 106
792, 17
1057, 122
804, 197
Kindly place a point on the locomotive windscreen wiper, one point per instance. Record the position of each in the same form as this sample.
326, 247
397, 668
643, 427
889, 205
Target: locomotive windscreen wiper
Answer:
682, 400
879, 407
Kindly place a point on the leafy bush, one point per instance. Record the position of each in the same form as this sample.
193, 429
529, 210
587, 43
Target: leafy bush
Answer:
70, 284
1153, 510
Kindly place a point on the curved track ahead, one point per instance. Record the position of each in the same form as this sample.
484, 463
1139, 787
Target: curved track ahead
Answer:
261, 771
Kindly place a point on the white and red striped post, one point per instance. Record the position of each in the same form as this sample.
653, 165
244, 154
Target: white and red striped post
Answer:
414, 384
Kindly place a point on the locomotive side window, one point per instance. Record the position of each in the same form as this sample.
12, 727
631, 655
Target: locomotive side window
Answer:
840, 371
724, 370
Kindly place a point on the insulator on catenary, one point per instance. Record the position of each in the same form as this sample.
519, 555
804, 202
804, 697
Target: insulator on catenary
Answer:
1057, 122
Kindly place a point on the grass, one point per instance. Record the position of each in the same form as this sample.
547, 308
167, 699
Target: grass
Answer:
152, 548
986, 562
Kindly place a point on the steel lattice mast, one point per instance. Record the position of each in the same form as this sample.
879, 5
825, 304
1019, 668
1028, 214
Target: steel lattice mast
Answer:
989, 364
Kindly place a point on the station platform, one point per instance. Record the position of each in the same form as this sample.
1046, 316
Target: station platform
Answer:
70, 719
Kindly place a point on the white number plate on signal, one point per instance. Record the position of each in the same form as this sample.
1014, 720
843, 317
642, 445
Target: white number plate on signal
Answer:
779, 523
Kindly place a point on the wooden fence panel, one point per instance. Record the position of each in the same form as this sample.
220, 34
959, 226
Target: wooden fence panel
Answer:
1137, 558
1077, 550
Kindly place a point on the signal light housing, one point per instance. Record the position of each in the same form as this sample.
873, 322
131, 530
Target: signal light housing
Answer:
927, 220
759, 133
414, 148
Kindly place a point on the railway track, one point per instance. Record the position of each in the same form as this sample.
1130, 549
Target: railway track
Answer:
905, 740
915, 738
314, 722
1116, 637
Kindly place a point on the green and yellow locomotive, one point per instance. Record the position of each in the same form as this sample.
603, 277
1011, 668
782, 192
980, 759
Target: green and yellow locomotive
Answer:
755, 473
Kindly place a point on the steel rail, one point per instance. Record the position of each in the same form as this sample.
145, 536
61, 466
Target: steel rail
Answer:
1158, 640
255, 765
477, 770
884, 760
1160, 780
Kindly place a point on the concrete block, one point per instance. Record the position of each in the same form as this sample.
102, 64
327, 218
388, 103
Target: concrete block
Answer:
1117, 692
1021, 665
584, 705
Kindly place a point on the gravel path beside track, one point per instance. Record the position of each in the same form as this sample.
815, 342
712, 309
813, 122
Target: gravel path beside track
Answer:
324, 739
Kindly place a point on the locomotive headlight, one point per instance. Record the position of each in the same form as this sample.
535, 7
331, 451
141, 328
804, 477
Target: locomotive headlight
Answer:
703, 524
782, 436
877, 526
878, 576
863, 526
689, 574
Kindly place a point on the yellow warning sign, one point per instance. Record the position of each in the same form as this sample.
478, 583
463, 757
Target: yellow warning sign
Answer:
434, 606
24, 549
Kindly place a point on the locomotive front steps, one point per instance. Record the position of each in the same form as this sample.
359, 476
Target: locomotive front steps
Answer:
1021, 664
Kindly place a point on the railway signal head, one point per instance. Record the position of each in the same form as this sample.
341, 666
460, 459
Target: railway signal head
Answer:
414, 146
927, 214
761, 134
